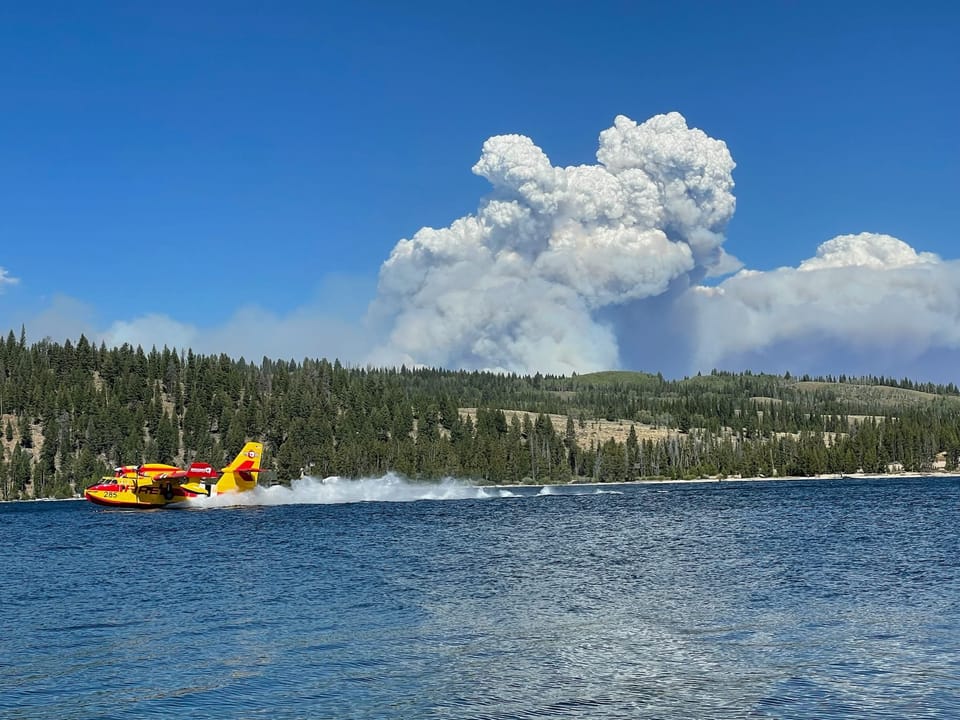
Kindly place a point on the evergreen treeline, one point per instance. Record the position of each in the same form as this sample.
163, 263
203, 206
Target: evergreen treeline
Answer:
71, 412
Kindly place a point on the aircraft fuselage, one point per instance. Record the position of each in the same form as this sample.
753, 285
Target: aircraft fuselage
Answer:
142, 493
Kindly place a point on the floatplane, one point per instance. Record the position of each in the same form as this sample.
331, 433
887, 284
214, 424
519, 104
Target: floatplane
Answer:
156, 485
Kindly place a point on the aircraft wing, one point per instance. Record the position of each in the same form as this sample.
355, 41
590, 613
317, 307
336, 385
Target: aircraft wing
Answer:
172, 475
196, 471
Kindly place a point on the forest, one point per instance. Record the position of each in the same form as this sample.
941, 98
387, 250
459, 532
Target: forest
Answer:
71, 412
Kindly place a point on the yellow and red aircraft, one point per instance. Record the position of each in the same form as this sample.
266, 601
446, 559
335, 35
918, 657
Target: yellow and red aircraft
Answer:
157, 485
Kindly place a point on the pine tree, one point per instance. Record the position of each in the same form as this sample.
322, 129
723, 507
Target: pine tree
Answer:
25, 432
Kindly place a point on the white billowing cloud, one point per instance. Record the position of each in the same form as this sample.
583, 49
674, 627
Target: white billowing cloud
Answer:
566, 269
693, 174
521, 284
868, 250
608, 266
5, 279
868, 296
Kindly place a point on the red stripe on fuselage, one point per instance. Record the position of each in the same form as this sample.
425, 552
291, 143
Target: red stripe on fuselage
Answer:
114, 503
142, 505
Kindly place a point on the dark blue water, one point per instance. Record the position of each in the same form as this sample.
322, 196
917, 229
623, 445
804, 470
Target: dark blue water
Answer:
821, 599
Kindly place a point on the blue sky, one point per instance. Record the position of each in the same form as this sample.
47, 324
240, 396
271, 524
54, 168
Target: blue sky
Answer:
173, 173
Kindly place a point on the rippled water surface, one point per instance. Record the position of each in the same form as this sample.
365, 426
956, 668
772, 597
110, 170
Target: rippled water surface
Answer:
819, 599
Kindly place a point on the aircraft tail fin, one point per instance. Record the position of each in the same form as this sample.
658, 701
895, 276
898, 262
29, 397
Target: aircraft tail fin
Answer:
241, 474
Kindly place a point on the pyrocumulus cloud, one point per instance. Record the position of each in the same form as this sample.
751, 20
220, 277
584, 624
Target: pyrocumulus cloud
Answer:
594, 267
523, 283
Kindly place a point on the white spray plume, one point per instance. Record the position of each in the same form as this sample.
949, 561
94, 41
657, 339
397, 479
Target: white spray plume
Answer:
389, 488
522, 284
336, 491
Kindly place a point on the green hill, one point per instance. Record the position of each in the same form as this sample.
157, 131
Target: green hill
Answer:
70, 412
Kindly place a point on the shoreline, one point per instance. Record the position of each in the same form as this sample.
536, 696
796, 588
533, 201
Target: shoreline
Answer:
778, 478
821, 476
665, 481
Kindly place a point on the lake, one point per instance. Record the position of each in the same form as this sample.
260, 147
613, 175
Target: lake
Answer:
386, 599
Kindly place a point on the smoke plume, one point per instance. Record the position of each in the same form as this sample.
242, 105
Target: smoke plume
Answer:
867, 301
595, 267
524, 282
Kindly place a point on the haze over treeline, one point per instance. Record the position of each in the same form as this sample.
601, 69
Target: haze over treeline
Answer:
70, 412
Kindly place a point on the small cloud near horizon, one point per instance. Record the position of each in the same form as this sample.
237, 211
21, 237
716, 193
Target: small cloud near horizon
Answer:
6, 279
